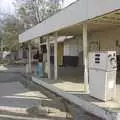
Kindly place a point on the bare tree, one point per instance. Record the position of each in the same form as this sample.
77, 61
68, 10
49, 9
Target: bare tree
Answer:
32, 12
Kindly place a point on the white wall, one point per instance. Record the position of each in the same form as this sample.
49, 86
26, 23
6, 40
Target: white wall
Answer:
72, 47
107, 39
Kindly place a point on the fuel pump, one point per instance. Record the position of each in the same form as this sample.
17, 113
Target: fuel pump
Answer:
102, 74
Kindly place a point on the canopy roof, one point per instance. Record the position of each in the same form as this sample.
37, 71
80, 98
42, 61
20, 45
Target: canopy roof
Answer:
99, 14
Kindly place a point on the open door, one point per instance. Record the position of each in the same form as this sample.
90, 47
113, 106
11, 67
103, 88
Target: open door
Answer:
60, 53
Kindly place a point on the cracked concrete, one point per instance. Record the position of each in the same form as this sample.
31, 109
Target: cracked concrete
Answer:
20, 103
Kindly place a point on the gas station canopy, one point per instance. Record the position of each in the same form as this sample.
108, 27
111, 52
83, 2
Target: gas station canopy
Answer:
98, 14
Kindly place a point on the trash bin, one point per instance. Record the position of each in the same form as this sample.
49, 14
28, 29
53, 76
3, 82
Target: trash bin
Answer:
39, 70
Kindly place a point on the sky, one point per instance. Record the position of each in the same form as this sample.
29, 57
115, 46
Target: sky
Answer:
67, 2
7, 7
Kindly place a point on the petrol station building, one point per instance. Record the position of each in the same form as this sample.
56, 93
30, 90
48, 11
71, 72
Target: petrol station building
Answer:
94, 26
